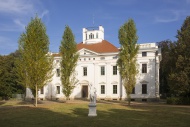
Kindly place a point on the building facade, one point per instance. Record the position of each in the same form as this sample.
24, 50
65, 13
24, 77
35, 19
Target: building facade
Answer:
97, 67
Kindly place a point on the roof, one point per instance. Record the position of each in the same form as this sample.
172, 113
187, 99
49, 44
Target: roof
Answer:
101, 47
56, 54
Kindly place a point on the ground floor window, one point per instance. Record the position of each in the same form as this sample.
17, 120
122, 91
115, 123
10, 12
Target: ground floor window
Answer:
144, 88
133, 90
114, 89
102, 89
58, 90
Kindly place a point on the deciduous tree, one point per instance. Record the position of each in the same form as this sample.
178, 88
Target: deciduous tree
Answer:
127, 61
166, 65
180, 75
34, 66
69, 57
8, 79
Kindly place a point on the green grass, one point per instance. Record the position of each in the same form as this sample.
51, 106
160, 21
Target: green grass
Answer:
55, 114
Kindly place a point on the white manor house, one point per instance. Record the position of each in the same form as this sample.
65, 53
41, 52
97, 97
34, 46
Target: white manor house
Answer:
96, 66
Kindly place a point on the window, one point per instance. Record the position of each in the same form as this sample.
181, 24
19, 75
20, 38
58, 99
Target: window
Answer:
114, 89
57, 61
102, 70
102, 89
91, 36
115, 57
58, 90
42, 90
58, 72
144, 53
84, 71
93, 58
102, 58
144, 88
114, 70
96, 35
144, 68
133, 90
86, 36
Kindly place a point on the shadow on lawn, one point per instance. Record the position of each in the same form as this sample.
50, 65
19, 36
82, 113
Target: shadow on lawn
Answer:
2, 102
57, 115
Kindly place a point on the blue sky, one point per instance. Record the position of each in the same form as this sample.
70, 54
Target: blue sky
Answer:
156, 20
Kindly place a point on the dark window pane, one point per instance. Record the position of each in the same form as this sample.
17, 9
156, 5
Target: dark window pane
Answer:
114, 70
102, 70
144, 68
84, 71
58, 72
114, 89
102, 89
58, 90
144, 53
133, 90
144, 88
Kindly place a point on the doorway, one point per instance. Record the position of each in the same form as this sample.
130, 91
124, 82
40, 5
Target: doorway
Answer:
85, 91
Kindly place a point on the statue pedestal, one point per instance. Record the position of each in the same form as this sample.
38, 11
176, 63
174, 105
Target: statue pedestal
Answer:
92, 109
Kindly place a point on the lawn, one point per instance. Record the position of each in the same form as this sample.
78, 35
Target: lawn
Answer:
75, 114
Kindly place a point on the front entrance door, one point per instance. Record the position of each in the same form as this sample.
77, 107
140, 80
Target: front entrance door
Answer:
84, 91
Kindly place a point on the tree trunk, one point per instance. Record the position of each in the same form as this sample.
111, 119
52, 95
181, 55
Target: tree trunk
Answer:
129, 99
36, 96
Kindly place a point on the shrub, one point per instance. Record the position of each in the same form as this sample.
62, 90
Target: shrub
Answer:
178, 100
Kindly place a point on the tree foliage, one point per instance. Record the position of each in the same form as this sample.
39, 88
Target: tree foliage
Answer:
166, 65
127, 61
8, 79
180, 75
34, 66
69, 56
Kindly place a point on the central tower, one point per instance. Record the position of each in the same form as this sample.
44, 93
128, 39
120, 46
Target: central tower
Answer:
93, 35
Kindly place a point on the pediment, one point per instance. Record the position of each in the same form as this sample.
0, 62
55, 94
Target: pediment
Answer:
86, 52
143, 81
102, 83
57, 84
84, 82
114, 82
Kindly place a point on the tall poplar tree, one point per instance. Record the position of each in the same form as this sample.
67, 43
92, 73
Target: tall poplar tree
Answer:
34, 66
127, 61
69, 57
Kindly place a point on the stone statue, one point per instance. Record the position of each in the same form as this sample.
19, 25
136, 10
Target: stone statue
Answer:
92, 104
92, 94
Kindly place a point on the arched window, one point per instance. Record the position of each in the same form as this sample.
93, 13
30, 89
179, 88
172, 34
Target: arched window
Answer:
91, 36
96, 35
